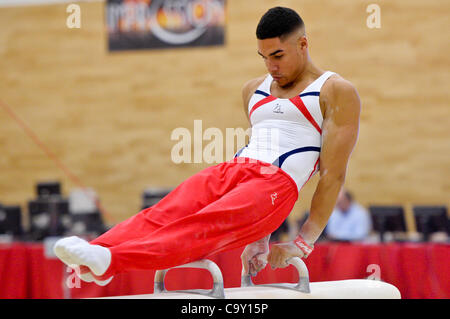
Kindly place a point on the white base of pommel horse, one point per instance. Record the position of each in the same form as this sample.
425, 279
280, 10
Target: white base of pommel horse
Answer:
341, 289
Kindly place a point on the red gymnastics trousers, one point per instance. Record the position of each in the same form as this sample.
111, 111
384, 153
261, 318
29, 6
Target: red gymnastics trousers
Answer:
222, 207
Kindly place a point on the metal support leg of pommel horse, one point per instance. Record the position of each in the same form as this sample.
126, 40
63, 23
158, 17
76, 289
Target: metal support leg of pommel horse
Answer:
218, 290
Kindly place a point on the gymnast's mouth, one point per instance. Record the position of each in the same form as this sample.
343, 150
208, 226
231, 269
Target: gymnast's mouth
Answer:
276, 77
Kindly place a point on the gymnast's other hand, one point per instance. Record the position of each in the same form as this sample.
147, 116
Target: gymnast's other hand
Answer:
254, 256
280, 253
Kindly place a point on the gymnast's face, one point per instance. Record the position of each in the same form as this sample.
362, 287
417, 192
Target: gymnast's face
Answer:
285, 57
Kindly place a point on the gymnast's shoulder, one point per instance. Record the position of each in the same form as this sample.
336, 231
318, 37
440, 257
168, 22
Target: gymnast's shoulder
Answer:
251, 85
338, 91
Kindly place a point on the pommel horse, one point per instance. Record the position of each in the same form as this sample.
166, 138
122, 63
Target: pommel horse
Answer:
303, 289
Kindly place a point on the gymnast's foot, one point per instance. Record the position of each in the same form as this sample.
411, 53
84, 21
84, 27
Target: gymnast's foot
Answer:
74, 251
85, 274
60, 248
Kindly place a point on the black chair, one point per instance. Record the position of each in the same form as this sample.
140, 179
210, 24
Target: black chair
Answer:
88, 223
48, 216
387, 219
48, 188
11, 221
431, 219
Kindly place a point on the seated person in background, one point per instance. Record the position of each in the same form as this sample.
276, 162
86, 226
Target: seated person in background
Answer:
349, 220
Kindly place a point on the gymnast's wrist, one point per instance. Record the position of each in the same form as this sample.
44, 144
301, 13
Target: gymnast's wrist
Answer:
304, 246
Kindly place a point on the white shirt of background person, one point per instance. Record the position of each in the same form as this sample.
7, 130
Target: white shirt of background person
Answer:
349, 220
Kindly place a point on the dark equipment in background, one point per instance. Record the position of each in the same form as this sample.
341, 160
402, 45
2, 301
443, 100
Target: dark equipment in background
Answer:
88, 223
283, 229
50, 188
86, 218
48, 216
11, 221
431, 219
52, 214
151, 196
387, 219
48, 213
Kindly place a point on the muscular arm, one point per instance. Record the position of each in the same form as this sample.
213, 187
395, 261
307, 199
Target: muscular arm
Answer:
339, 135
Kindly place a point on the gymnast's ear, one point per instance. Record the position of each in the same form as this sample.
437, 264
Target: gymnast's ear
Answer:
302, 42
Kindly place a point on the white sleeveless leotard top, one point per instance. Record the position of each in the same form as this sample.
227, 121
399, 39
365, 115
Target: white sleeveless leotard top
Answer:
287, 132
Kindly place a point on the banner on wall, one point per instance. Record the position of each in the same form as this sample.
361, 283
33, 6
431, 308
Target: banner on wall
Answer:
155, 24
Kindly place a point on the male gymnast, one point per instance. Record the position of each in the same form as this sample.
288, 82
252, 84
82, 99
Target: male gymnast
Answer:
304, 120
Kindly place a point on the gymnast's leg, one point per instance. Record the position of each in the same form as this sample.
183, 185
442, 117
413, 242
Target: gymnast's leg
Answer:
182, 201
240, 209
